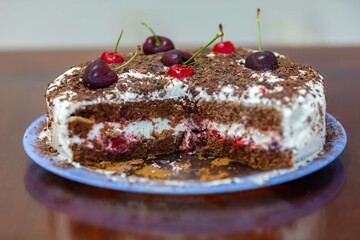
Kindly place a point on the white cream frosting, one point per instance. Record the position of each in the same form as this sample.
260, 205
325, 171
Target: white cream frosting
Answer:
302, 127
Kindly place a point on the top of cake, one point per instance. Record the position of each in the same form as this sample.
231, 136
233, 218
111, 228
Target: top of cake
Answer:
224, 78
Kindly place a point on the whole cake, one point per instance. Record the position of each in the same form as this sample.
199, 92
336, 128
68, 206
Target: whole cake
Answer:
263, 119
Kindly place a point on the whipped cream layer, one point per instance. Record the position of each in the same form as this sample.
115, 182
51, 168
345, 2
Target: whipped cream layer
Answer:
302, 128
147, 129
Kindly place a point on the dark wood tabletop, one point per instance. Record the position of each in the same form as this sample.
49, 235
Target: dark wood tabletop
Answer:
35, 204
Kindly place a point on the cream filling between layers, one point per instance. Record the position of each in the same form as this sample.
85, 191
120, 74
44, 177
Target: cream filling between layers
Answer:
138, 130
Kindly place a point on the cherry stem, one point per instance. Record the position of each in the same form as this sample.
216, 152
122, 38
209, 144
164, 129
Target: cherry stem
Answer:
221, 30
201, 60
138, 48
259, 28
157, 40
118, 40
220, 34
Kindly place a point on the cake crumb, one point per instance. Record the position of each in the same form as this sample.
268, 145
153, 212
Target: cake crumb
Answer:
63, 164
121, 167
154, 172
151, 156
178, 166
44, 146
186, 166
207, 176
200, 156
218, 162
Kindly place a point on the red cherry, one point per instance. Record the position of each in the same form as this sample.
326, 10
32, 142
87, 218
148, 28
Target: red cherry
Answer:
184, 70
226, 47
111, 57
239, 142
181, 71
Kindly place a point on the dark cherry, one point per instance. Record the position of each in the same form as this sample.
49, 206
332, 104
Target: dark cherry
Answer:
261, 61
181, 71
98, 74
187, 56
149, 46
226, 47
174, 56
111, 57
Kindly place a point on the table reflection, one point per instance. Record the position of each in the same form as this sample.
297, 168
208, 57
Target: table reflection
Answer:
85, 209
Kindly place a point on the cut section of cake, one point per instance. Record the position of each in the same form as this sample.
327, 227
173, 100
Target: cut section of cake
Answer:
263, 119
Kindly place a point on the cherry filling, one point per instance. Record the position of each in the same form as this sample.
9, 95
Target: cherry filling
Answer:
194, 139
236, 141
216, 134
118, 144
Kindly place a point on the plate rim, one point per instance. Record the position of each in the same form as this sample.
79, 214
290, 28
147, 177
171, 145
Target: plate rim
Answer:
86, 176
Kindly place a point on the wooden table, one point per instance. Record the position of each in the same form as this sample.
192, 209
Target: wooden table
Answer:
35, 204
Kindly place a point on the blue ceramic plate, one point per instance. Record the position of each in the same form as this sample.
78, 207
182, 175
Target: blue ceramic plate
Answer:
242, 179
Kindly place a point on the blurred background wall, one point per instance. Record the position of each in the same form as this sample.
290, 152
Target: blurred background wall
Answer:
69, 24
